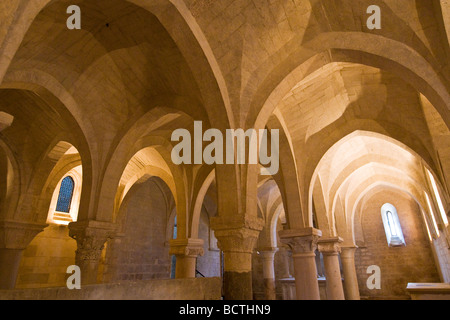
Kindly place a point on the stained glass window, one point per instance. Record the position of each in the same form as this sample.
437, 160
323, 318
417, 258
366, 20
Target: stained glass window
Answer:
65, 195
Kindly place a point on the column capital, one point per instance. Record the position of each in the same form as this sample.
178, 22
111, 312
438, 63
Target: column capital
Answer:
237, 240
330, 245
237, 222
301, 240
91, 237
348, 251
267, 252
237, 235
18, 235
186, 247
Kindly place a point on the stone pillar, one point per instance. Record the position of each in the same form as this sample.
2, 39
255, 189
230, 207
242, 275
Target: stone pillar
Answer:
330, 249
111, 271
351, 287
91, 237
285, 254
186, 252
237, 240
303, 243
267, 256
14, 239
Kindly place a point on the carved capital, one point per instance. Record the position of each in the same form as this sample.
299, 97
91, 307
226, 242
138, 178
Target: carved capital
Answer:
18, 235
267, 254
348, 252
237, 240
187, 247
330, 245
91, 237
238, 235
301, 240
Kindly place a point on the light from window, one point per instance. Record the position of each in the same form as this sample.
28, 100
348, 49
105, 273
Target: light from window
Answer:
438, 199
391, 222
392, 227
65, 195
436, 229
426, 225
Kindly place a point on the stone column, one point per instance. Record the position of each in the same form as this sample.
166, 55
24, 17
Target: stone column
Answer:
186, 252
267, 256
237, 240
330, 249
14, 239
303, 243
284, 252
351, 287
91, 237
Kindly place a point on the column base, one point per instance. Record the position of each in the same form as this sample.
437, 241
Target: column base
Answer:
237, 285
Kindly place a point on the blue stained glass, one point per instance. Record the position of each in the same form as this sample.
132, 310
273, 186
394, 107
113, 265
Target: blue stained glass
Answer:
65, 195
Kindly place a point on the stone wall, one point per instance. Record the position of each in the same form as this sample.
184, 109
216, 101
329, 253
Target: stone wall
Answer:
443, 255
142, 251
44, 262
399, 265
209, 264
180, 289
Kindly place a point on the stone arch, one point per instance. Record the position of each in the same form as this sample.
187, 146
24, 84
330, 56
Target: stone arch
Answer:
63, 166
347, 170
10, 181
142, 252
152, 132
363, 48
207, 178
271, 204
287, 176
385, 182
75, 132
180, 25
147, 162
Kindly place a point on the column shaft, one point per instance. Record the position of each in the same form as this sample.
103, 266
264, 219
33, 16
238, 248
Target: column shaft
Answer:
15, 236
237, 280
330, 250
303, 243
351, 287
9, 267
186, 252
91, 237
335, 290
237, 244
267, 258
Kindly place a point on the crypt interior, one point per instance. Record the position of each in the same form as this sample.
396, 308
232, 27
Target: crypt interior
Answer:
87, 177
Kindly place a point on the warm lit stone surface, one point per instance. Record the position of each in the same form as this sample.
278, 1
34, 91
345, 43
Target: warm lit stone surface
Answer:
363, 118
205, 289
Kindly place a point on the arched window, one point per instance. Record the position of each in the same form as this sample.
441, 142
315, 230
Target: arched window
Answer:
65, 195
392, 227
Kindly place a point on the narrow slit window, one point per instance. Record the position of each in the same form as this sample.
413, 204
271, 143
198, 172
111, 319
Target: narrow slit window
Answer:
392, 227
65, 195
